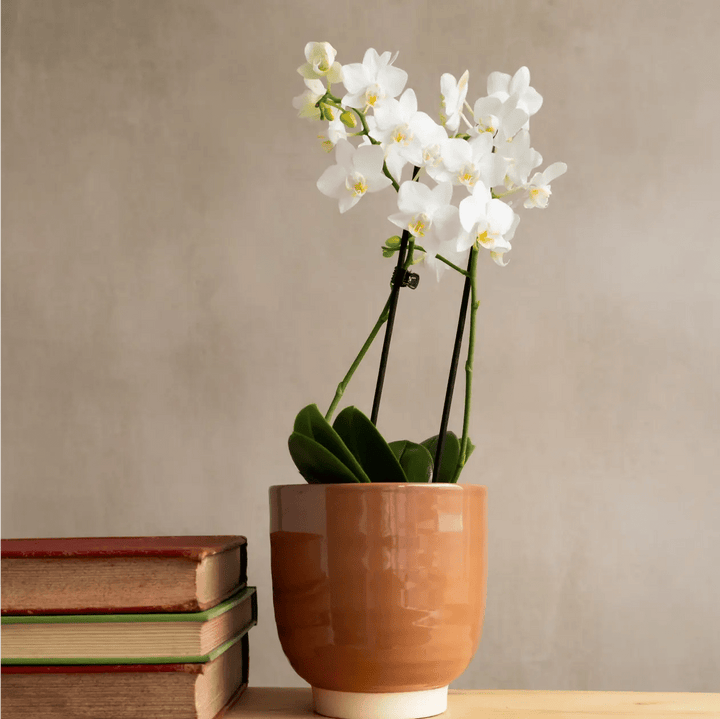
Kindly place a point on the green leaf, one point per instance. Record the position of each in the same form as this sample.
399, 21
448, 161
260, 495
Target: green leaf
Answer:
368, 446
450, 456
317, 464
416, 461
398, 447
310, 423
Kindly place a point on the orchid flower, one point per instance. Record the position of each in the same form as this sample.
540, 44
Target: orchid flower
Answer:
503, 86
396, 125
307, 102
320, 63
431, 218
432, 140
486, 220
467, 162
452, 98
336, 131
357, 171
371, 82
501, 119
427, 214
521, 159
539, 187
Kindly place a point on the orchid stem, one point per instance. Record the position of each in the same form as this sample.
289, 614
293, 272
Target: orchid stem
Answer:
453, 373
346, 379
382, 319
447, 262
474, 304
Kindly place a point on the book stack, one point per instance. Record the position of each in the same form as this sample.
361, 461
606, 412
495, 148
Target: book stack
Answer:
125, 627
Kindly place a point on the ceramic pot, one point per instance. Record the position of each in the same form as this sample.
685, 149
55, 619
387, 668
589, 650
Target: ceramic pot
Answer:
379, 591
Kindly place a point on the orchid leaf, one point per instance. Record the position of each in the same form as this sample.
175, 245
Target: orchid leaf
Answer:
416, 461
311, 424
450, 455
316, 463
368, 446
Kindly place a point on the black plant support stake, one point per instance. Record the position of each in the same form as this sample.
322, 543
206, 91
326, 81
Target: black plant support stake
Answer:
453, 373
398, 281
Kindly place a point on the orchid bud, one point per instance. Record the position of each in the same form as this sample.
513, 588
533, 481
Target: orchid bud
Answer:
348, 119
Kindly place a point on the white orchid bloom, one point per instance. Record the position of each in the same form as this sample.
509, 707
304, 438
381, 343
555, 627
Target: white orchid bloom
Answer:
486, 221
539, 186
336, 131
468, 162
432, 138
521, 159
501, 119
320, 63
427, 214
396, 125
357, 171
306, 102
503, 86
452, 98
371, 82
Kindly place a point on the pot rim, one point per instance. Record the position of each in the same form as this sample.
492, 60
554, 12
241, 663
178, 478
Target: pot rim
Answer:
400, 486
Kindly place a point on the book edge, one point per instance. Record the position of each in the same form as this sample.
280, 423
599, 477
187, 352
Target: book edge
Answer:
195, 548
10, 666
237, 597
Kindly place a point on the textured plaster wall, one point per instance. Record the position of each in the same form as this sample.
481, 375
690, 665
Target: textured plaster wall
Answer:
175, 289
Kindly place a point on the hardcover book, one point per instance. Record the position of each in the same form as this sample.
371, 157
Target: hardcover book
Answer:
128, 638
127, 691
95, 575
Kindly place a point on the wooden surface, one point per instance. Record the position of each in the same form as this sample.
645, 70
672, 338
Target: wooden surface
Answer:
259, 702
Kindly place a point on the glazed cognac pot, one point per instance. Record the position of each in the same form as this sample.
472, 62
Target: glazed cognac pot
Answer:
379, 591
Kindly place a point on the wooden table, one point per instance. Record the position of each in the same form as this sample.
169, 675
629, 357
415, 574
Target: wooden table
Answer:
261, 702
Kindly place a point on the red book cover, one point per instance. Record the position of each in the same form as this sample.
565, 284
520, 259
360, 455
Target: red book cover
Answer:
95, 575
191, 547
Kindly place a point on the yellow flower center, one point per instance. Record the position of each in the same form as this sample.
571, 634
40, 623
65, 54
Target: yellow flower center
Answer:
372, 94
484, 240
402, 135
468, 175
540, 196
356, 184
419, 224
431, 156
487, 124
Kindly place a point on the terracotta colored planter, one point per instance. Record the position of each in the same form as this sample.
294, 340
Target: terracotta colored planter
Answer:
379, 591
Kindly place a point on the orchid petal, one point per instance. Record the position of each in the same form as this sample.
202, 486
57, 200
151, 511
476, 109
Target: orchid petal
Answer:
497, 82
554, 171
332, 181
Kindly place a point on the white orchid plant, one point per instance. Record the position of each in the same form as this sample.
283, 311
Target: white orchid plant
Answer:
470, 172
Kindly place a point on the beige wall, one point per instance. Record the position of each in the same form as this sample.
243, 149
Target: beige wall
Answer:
175, 289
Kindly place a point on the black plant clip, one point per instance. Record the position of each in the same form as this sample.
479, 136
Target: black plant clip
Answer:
404, 278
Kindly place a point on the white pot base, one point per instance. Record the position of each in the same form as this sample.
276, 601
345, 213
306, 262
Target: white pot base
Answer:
390, 705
